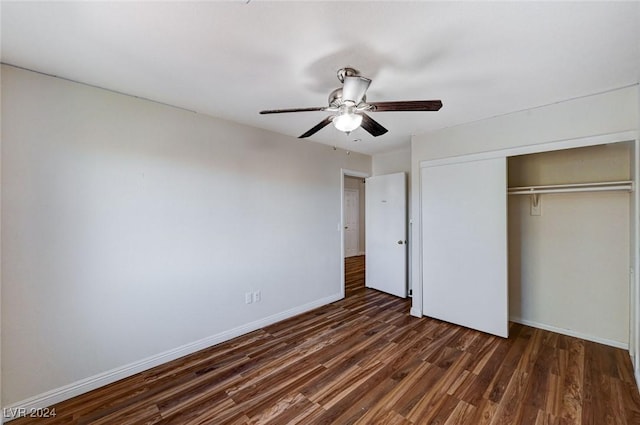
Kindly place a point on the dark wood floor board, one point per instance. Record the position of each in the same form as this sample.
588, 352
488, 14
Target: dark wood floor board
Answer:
508, 366
386, 418
272, 374
243, 346
430, 404
370, 344
331, 394
487, 374
454, 372
419, 399
443, 404
359, 396
187, 400
437, 347
485, 411
213, 378
404, 392
554, 399
482, 357
368, 397
544, 418
445, 410
206, 412
344, 342
139, 414
115, 396
631, 401
404, 357
462, 414
511, 405
464, 340
309, 413
285, 408
364, 360
572, 382
263, 400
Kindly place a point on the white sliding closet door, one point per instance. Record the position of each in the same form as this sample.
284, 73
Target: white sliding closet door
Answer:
464, 238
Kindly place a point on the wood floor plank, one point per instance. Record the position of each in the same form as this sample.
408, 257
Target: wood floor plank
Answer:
462, 414
485, 411
364, 360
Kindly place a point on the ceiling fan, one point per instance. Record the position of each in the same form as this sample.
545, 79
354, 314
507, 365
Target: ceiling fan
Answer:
349, 105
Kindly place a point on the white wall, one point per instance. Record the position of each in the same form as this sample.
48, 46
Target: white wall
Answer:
611, 112
391, 162
569, 267
131, 229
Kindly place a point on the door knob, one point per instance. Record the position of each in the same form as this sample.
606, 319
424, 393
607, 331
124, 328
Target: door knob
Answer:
400, 242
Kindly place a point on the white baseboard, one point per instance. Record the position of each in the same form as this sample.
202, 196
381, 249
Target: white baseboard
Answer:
570, 332
66, 392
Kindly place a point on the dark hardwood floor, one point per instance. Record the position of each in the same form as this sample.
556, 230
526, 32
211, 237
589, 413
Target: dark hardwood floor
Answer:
353, 275
364, 360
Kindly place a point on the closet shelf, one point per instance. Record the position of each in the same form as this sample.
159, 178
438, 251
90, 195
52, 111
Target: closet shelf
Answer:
626, 185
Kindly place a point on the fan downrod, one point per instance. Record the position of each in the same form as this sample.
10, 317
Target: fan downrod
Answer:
347, 72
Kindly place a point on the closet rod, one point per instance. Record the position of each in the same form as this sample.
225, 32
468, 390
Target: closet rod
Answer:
626, 185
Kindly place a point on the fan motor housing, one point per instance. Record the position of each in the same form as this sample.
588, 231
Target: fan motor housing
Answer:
335, 98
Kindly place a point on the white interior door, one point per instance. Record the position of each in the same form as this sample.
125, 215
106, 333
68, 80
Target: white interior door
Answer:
351, 222
464, 240
386, 234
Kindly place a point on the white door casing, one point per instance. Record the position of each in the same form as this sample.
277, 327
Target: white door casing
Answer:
386, 234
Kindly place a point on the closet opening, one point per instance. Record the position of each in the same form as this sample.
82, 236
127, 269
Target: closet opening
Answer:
570, 236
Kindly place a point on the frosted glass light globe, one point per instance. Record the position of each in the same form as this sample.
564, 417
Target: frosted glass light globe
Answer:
347, 121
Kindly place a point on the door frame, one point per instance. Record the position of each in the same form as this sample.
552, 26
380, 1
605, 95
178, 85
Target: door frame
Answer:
350, 173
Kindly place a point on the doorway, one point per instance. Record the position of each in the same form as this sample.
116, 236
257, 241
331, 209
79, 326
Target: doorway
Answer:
353, 216
352, 229
569, 237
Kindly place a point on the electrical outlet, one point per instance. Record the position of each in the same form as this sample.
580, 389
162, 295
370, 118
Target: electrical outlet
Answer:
257, 296
248, 298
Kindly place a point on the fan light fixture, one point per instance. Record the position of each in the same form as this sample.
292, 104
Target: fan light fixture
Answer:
347, 120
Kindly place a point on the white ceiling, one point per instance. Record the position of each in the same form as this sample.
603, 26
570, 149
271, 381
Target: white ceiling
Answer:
233, 59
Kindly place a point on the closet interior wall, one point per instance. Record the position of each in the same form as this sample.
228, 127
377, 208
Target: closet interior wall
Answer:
569, 267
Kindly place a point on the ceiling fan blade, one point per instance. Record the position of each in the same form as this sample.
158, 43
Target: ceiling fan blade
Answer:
409, 105
280, 111
322, 124
372, 126
354, 88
